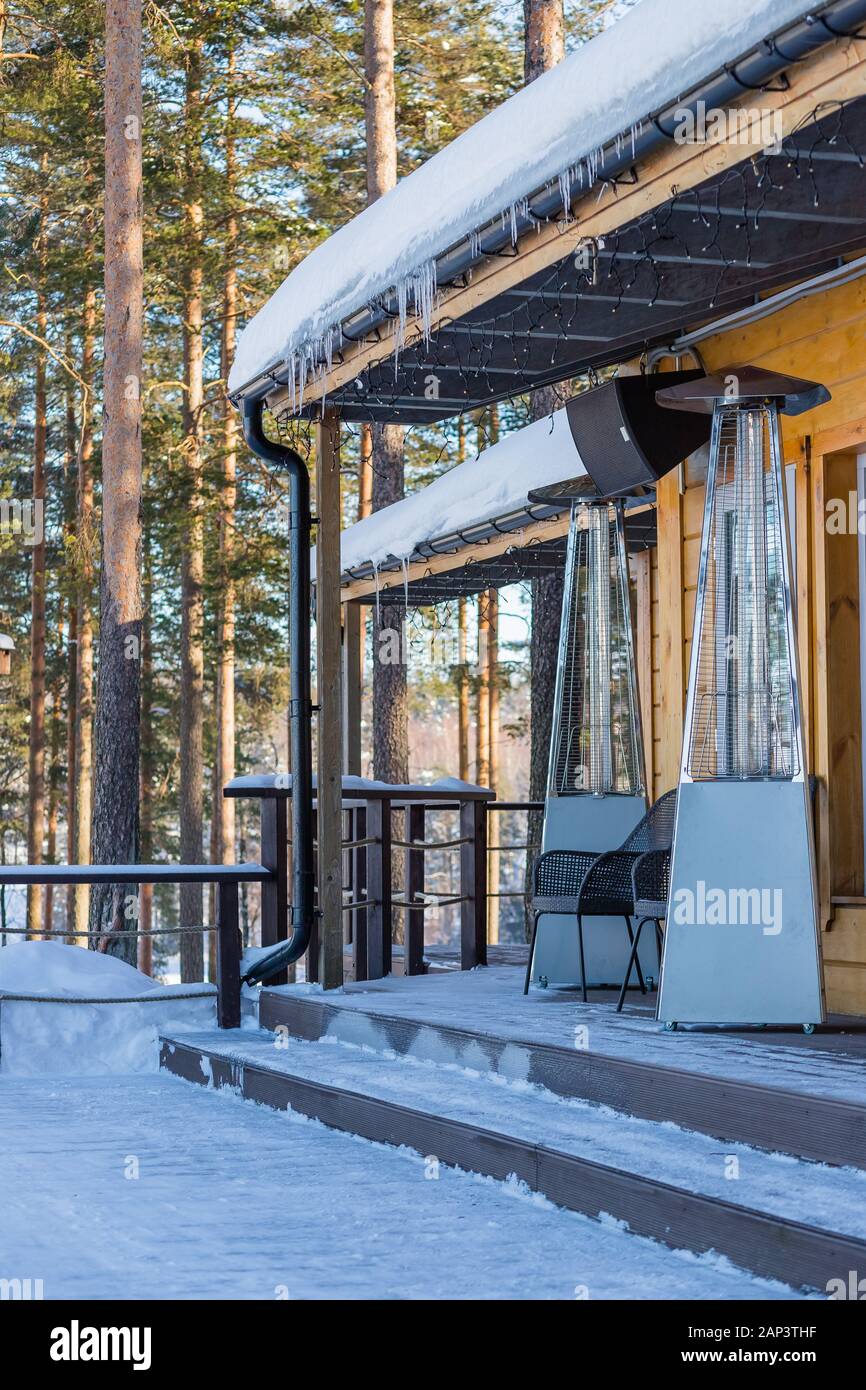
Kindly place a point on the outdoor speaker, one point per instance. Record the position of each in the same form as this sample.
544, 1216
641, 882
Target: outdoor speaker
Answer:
625, 439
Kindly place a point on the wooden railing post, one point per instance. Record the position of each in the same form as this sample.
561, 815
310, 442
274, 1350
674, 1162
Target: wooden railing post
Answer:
359, 891
473, 884
413, 945
379, 913
275, 893
312, 958
228, 956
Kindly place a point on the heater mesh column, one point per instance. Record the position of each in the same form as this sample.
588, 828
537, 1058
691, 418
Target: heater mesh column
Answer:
596, 746
742, 716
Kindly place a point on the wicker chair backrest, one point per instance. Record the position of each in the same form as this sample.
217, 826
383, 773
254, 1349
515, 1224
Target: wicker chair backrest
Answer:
656, 830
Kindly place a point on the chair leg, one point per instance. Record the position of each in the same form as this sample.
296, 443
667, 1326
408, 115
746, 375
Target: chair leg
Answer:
535, 917
582, 961
640, 978
632, 960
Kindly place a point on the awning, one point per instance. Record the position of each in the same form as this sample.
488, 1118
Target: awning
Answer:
478, 512
582, 122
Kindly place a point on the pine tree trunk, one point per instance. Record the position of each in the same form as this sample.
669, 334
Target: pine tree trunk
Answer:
482, 694
462, 689
493, 821
115, 810
390, 716
380, 104
83, 793
145, 891
390, 710
53, 805
462, 673
69, 513
365, 471
544, 47
543, 37
192, 558
36, 766
224, 807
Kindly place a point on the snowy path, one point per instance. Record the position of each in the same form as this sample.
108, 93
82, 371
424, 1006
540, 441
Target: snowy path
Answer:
235, 1201
814, 1193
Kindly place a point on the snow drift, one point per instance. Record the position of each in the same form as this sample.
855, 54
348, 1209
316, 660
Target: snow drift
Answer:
80, 1037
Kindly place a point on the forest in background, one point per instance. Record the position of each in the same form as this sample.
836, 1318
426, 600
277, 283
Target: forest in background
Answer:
255, 146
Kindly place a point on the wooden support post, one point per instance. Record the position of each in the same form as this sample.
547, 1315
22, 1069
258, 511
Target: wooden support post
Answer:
413, 944
473, 884
228, 957
275, 893
329, 793
313, 949
359, 879
379, 913
641, 568
672, 655
353, 657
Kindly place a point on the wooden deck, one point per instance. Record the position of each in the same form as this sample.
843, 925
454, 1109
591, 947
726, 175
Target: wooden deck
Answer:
775, 1091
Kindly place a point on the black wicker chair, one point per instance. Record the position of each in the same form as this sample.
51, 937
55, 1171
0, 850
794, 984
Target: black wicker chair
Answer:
581, 883
651, 883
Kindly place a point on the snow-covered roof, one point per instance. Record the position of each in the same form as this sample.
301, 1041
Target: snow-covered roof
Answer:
493, 485
555, 128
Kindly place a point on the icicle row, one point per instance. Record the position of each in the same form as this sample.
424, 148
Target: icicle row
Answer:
418, 289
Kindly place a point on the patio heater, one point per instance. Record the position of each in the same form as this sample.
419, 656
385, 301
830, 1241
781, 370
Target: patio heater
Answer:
596, 783
741, 941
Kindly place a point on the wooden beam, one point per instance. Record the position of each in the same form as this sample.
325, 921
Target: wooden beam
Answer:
330, 702
836, 73
641, 565
672, 633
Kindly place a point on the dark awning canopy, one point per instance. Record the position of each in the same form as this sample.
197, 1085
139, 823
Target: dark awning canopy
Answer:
786, 215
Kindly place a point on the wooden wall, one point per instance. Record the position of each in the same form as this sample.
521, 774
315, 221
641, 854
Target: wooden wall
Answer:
822, 338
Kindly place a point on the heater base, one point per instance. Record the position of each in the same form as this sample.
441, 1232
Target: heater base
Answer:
741, 940
596, 823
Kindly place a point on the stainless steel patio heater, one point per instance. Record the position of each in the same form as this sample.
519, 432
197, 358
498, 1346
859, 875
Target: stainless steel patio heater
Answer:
741, 941
596, 782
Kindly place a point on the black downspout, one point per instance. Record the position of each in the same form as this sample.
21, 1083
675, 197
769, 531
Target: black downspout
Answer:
300, 707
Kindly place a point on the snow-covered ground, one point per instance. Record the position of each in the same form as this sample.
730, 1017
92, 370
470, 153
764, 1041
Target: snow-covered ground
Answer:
120, 1181
148, 1187
814, 1193
87, 1038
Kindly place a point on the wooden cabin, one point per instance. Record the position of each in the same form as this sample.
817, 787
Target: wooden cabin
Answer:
566, 235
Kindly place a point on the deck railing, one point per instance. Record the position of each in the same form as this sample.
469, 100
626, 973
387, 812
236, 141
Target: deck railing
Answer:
369, 847
372, 848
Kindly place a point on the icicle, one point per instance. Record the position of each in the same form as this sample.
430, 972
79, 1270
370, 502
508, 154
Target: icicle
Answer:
376, 587
404, 564
565, 192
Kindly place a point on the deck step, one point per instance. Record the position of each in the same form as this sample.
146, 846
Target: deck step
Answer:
662, 1183
823, 1128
